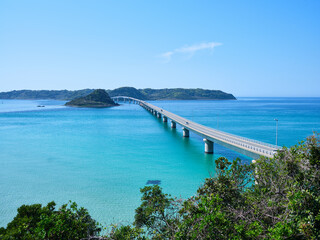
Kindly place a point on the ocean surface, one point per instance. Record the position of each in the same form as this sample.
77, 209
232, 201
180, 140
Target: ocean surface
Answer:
100, 158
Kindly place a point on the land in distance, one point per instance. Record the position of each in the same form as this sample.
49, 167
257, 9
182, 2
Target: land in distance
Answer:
142, 94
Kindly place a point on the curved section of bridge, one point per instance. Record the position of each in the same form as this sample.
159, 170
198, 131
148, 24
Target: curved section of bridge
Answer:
246, 146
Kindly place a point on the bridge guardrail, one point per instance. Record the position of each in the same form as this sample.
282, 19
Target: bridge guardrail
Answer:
213, 131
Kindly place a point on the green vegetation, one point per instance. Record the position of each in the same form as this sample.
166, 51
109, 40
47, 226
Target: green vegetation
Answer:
143, 94
97, 99
272, 199
34, 222
128, 92
185, 94
45, 94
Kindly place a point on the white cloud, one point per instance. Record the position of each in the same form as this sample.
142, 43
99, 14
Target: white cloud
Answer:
190, 49
167, 54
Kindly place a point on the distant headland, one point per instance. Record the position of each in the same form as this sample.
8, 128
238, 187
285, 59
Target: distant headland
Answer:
143, 94
97, 99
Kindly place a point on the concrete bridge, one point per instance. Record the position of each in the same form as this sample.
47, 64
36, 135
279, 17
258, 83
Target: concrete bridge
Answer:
246, 146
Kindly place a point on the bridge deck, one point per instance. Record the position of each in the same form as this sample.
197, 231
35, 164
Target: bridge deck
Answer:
246, 146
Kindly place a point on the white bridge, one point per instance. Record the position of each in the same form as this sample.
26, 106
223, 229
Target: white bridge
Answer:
246, 146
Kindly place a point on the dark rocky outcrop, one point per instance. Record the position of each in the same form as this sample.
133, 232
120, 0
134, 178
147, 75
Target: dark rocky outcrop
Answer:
97, 99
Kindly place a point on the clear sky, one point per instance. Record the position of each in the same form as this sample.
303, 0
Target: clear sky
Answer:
248, 48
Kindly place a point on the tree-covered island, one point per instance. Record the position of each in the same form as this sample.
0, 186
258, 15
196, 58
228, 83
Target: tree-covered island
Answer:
275, 198
97, 99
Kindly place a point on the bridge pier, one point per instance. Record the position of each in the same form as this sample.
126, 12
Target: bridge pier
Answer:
158, 115
185, 132
173, 124
165, 119
208, 146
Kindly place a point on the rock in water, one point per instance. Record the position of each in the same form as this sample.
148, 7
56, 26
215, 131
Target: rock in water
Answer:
97, 99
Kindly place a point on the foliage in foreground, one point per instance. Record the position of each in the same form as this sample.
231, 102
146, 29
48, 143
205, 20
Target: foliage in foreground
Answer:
271, 199
36, 222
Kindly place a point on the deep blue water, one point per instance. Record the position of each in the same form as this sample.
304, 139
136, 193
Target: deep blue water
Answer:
100, 158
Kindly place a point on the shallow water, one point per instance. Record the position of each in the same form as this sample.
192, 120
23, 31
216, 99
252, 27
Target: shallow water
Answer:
100, 158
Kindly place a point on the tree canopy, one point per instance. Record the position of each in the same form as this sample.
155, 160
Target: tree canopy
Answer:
35, 222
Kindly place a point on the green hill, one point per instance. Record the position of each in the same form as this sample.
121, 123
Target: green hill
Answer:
45, 94
185, 94
128, 92
97, 99
143, 94
171, 94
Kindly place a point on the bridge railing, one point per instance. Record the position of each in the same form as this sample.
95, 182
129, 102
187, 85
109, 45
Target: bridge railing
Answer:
246, 145
243, 142
252, 140
242, 138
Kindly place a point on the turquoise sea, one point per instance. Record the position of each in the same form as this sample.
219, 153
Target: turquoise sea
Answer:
100, 158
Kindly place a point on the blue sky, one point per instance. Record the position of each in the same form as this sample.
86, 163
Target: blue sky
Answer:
248, 48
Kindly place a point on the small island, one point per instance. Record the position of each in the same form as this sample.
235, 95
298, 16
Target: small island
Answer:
97, 99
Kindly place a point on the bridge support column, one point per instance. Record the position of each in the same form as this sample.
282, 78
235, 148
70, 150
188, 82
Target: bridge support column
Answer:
208, 146
165, 119
173, 124
159, 115
185, 132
